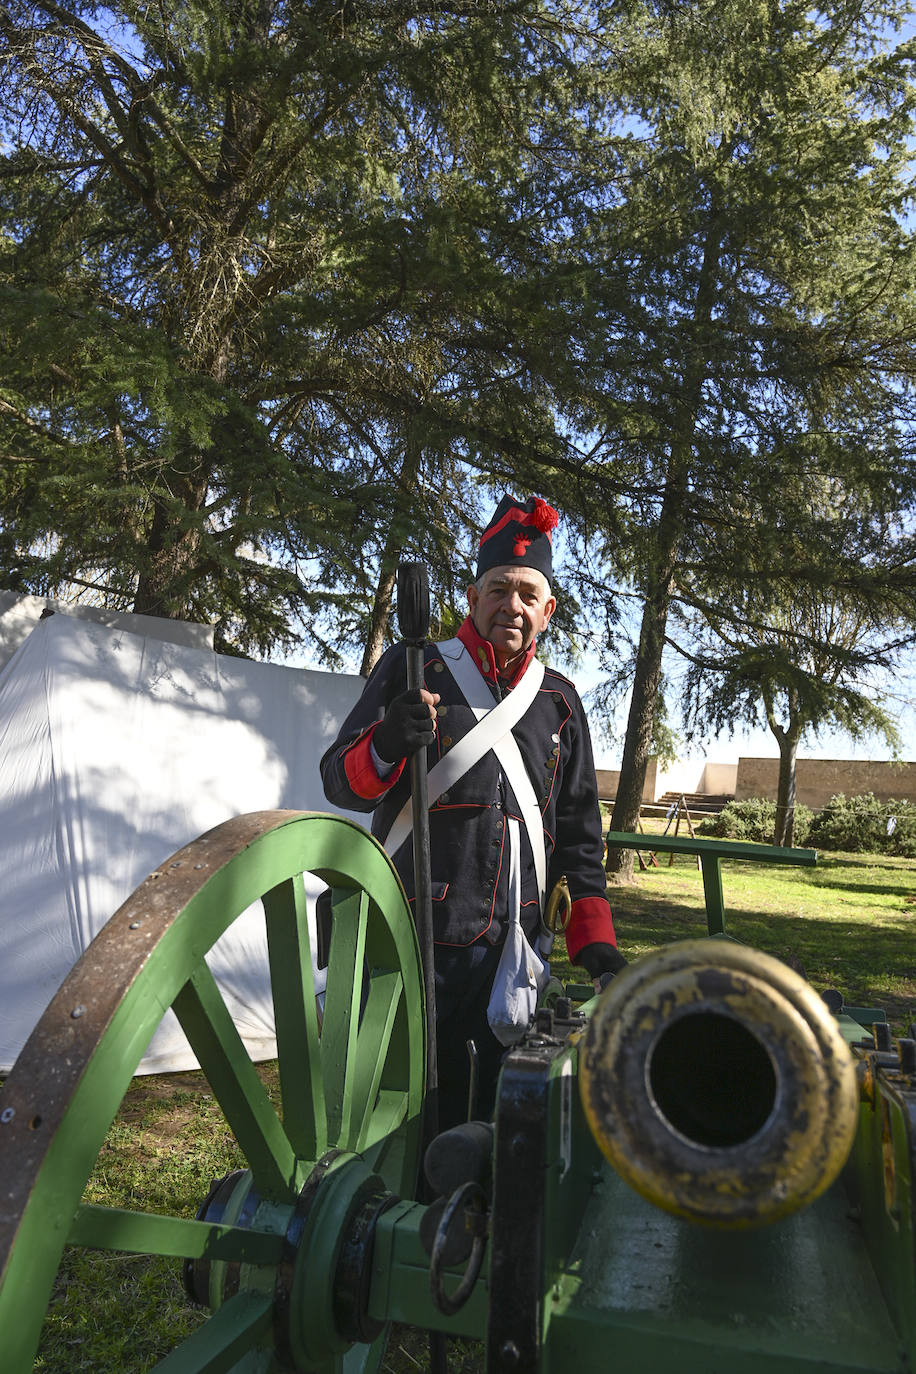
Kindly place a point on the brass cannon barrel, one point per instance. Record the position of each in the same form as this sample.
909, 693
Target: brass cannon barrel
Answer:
718, 1084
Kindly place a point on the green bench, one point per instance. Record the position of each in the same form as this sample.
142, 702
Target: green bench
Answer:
710, 854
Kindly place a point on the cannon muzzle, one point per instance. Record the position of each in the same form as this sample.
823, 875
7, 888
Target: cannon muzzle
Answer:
718, 1084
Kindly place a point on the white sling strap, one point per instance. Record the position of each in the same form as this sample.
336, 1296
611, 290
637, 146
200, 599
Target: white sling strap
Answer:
492, 731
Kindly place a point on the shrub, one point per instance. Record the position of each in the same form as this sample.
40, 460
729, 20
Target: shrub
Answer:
754, 820
864, 825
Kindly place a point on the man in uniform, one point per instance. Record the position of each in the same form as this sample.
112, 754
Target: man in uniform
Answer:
482, 836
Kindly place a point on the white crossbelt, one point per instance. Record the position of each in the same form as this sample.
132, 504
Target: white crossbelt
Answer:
492, 731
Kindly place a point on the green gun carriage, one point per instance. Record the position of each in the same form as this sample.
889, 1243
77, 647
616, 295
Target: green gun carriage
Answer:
704, 1169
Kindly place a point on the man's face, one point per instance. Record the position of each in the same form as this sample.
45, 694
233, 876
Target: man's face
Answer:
511, 608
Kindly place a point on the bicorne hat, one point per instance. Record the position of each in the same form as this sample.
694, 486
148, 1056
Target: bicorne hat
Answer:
519, 535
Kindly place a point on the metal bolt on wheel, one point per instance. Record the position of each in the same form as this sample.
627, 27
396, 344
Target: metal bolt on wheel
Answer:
351, 1082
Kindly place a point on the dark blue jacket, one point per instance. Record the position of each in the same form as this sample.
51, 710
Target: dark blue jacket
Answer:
468, 835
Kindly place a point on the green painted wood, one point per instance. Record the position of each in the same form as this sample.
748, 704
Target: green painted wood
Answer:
866, 1016
724, 849
710, 854
372, 1049
212, 1035
220, 1344
296, 1018
400, 1288
386, 1117
148, 1233
883, 1173
797, 1297
342, 1003
712, 891
73, 1073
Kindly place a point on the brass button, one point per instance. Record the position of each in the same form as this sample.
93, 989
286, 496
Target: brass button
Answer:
446, 741
443, 799
441, 710
438, 667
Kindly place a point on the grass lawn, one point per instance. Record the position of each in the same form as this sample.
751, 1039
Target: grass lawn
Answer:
849, 923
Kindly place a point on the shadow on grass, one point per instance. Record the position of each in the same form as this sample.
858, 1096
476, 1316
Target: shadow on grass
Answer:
871, 965
847, 859
839, 884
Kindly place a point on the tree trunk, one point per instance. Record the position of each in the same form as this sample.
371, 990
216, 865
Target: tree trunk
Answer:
165, 582
381, 614
392, 553
787, 737
659, 583
643, 698
784, 828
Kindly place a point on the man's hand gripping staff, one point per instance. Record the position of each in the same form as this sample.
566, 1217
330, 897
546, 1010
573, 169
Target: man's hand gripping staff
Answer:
408, 725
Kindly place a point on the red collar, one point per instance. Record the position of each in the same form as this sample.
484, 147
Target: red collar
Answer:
481, 651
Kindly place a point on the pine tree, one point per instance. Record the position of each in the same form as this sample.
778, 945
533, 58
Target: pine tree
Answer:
252, 304
750, 315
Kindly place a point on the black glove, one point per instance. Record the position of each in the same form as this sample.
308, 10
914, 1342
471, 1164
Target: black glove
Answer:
601, 961
406, 727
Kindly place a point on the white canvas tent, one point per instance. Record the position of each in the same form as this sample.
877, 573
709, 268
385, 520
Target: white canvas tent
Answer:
115, 750
19, 614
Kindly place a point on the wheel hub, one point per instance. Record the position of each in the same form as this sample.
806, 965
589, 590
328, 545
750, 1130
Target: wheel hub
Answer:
321, 1285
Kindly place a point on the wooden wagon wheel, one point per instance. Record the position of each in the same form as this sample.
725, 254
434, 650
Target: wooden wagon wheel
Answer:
351, 1082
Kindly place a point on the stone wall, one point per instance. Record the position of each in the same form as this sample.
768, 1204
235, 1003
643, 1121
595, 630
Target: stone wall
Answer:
817, 780
608, 779
689, 776
719, 779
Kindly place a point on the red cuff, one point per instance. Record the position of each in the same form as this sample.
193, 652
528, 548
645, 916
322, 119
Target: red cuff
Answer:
361, 771
590, 923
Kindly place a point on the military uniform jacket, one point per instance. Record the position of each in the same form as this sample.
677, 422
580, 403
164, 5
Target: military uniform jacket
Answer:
469, 843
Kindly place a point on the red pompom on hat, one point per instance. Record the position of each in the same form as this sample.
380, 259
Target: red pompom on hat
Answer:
519, 535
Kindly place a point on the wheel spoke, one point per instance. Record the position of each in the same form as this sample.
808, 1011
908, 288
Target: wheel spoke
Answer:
217, 1044
296, 1017
387, 1155
218, 1345
389, 1113
149, 1233
343, 1000
364, 1359
371, 1051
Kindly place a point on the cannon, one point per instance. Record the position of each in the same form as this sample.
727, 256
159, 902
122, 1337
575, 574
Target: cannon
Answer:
704, 1169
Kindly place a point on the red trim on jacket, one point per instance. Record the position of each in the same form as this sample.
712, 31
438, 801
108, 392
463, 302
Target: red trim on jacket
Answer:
481, 651
590, 922
362, 774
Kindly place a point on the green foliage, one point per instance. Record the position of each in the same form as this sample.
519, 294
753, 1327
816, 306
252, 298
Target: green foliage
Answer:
856, 825
264, 298
286, 293
666, 742
754, 820
864, 825
761, 198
